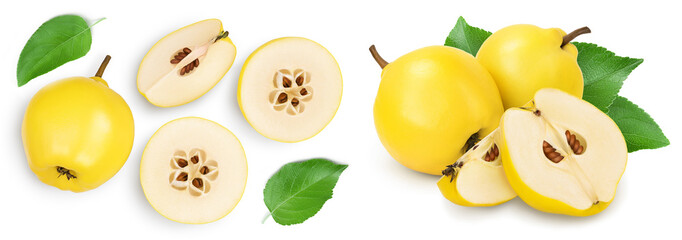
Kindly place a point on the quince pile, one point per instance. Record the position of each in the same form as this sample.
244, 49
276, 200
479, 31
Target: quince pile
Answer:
509, 121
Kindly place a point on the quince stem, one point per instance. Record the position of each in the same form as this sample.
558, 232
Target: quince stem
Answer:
382, 63
103, 66
572, 35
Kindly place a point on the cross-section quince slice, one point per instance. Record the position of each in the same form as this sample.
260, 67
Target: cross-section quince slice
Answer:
185, 64
193, 170
289, 89
477, 178
561, 154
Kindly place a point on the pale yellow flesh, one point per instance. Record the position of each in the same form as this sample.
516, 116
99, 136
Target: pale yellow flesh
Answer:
160, 81
219, 144
580, 181
256, 83
479, 183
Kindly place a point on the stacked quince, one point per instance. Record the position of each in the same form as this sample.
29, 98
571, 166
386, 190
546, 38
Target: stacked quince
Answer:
559, 153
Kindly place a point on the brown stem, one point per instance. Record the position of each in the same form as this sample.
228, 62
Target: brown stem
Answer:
572, 35
100, 71
382, 63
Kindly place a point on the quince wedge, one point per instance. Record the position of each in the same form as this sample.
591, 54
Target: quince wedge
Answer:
186, 64
561, 154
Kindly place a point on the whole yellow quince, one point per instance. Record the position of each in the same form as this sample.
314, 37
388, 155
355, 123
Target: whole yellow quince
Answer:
77, 132
434, 104
525, 58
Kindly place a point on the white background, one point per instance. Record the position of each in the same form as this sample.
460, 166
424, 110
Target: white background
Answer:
375, 197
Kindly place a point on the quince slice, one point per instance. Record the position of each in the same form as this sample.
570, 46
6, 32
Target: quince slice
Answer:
561, 154
193, 170
185, 64
289, 89
477, 178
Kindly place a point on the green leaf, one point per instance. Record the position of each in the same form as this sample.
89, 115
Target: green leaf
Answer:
466, 37
603, 73
298, 190
59, 40
638, 128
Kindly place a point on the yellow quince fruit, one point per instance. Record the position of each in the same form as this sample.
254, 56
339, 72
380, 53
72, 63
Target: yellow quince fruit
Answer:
433, 105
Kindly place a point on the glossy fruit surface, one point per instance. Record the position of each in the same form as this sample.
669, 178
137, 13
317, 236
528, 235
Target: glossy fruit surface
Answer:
432, 105
525, 58
77, 133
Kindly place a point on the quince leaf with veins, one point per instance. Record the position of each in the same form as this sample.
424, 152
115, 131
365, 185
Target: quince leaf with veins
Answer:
300, 189
638, 128
466, 37
603, 73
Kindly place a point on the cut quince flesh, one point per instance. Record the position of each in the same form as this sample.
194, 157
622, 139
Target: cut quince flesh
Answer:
193, 171
477, 178
561, 154
185, 64
289, 89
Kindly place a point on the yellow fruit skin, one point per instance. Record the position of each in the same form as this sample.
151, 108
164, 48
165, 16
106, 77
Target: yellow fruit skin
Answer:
450, 192
430, 101
525, 58
536, 200
80, 124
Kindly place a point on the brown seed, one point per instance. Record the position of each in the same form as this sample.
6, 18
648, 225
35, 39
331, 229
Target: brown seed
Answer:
182, 163
178, 57
282, 98
183, 70
557, 159
187, 50
545, 144
194, 159
182, 177
496, 151
182, 54
304, 92
294, 102
474, 148
175, 61
537, 113
553, 155
198, 183
487, 157
286, 82
571, 140
580, 150
575, 148
204, 170
299, 81
196, 62
548, 150
568, 134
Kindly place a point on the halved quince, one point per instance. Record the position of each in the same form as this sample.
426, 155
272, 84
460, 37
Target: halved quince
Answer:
185, 64
289, 89
477, 178
561, 154
193, 170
